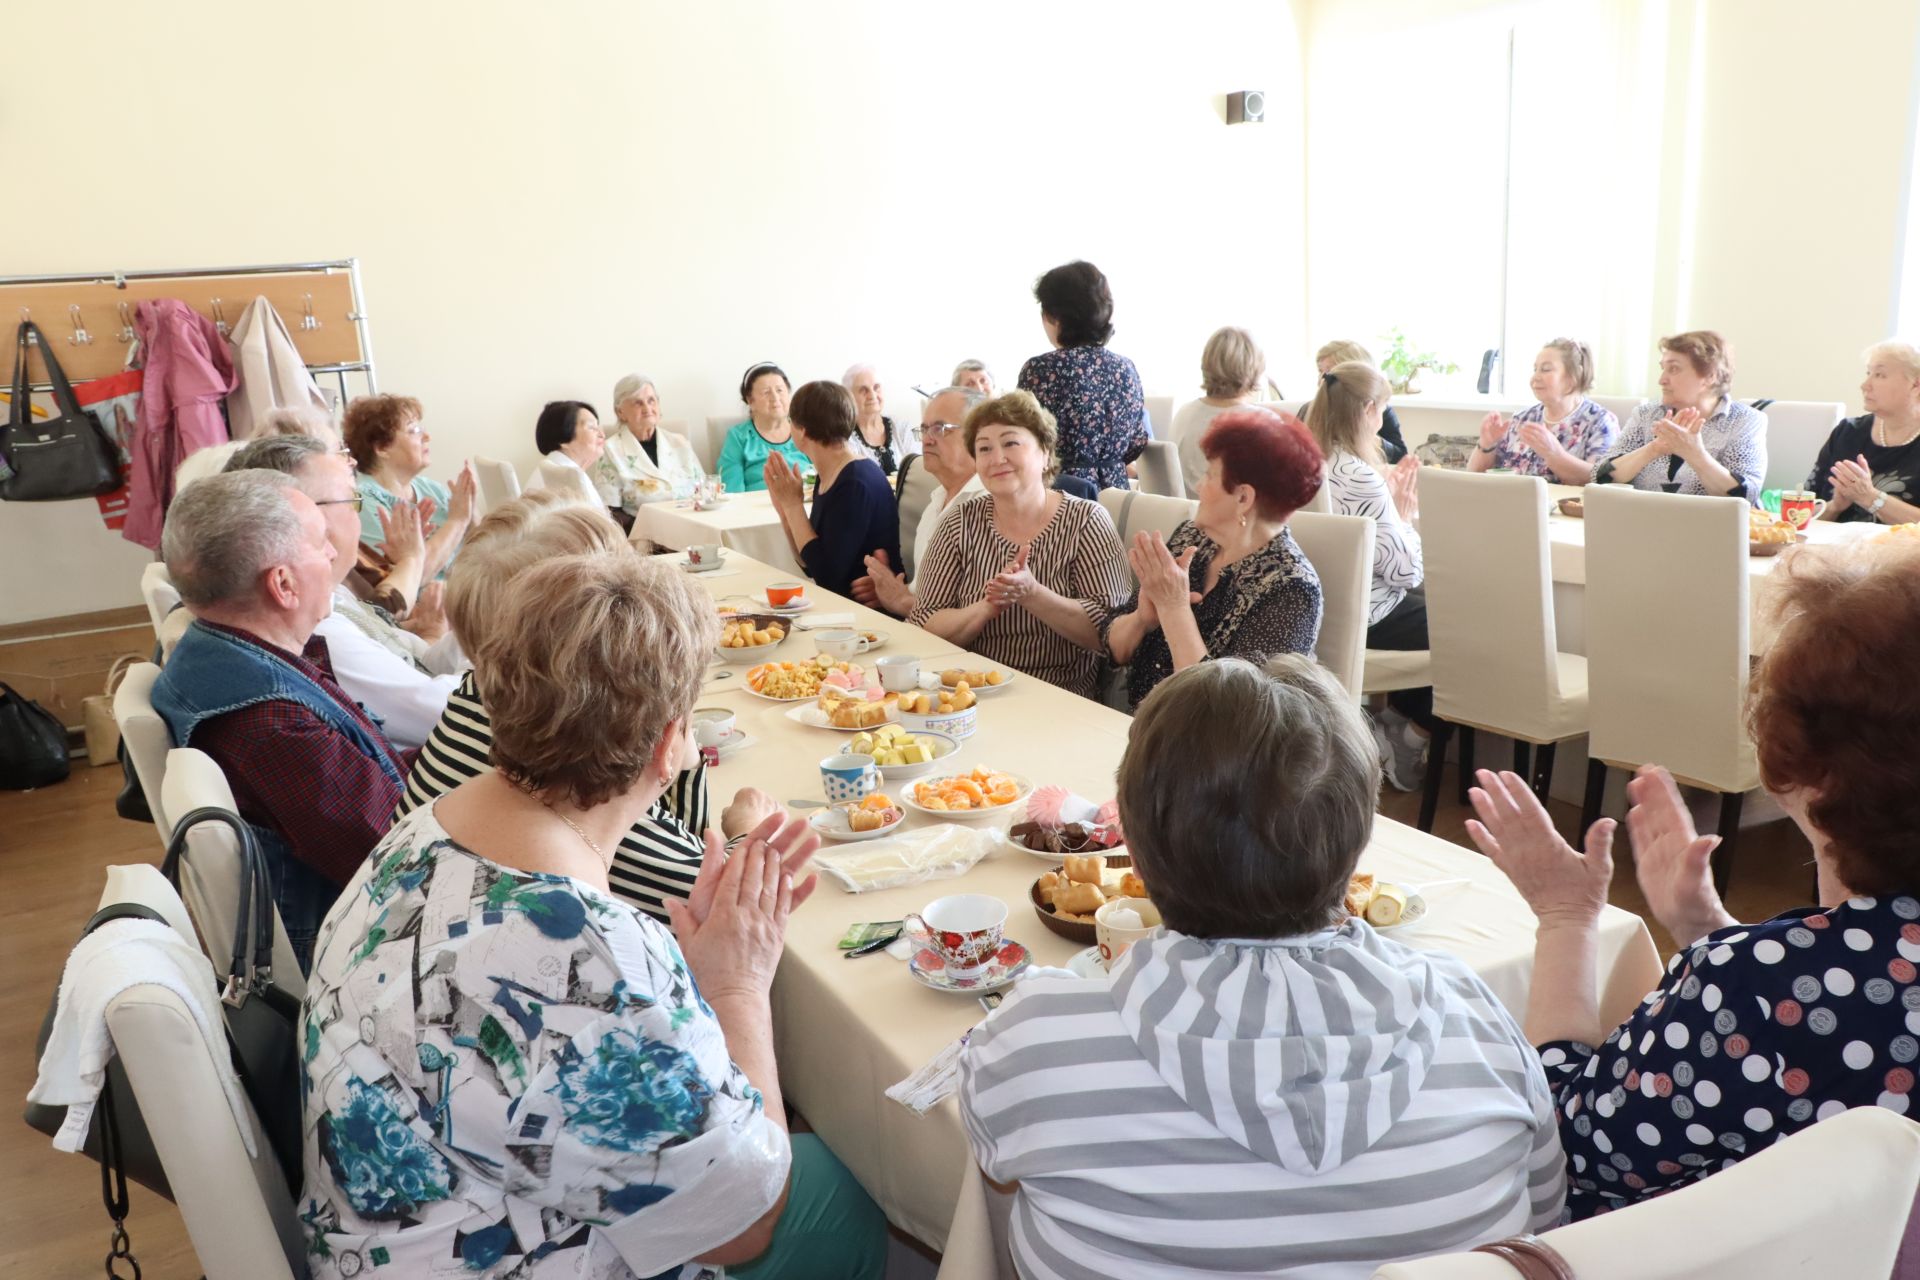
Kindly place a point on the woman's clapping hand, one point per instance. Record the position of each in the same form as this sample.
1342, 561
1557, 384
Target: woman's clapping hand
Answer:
1853, 482
1680, 433
733, 925
1403, 486
1012, 584
1493, 429
1672, 859
1165, 584
784, 486
1515, 831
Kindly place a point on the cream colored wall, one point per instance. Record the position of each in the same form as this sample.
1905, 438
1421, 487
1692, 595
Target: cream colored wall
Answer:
544, 198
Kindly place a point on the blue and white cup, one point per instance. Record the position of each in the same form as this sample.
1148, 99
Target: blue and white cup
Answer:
849, 776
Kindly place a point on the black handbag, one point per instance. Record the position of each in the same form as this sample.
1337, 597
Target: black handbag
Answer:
68, 456
33, 744
261, 1021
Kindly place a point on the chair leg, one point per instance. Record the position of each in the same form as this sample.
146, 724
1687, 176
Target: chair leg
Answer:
1543, 770
1466, 761
1596, 795
1522, 759
1436, 762
1730, 805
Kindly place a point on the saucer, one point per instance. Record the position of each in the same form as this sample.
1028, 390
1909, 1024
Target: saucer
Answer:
798, 606
691, 567
734, 742
929, 970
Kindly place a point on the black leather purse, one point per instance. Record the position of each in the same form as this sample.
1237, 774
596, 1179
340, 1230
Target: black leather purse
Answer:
33, 743
67, 456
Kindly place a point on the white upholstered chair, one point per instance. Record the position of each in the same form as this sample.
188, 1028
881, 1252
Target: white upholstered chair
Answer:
1796, 429
1161, 471
237, 1209
1160, 415
146, 737
1832, 1200
708, 448
1490, 625
499, 484
568, 479
1132, 512
1340, 548
912, 497
210, 867
156, 590
1667, 645
1621, 407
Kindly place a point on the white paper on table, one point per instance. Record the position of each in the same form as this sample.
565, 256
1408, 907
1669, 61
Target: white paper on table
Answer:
933, 1083
820, 621
928, 853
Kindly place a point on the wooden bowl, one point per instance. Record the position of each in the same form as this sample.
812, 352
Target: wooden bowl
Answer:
1072, 930
1774, 548
1574, 508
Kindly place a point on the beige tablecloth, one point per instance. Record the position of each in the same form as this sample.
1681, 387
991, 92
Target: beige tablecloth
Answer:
848, 1029
747, 523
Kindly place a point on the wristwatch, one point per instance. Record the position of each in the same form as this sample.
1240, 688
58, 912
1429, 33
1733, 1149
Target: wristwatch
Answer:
1878, 503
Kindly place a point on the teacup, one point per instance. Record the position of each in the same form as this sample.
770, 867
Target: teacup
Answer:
844, 645
964, 929
712, 725
898, 674
780, 594
851, 775
1115, 939
704, 555
1800, 508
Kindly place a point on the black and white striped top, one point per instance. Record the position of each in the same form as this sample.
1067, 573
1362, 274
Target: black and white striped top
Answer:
1078, 555
657, 859
1305, 1107
1354, 488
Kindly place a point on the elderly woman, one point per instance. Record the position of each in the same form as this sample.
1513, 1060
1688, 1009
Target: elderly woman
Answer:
1869, 468
1393, 445
880, 437
1321, 1098
974, 376
659, 856
568, 434
389, 443
1023, 574
1231, 582
1232, 368
642, 463
1698, 439
1345, 419
854, 515
768, 430
554, 1077
1560, 437
1759, 1029
1092, 393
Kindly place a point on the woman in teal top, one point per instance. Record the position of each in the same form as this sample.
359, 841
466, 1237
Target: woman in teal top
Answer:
390, 448
764, 388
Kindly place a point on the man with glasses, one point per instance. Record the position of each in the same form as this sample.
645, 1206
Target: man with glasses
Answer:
944, 455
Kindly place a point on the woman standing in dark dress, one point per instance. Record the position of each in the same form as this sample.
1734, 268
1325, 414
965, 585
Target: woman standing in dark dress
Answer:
1093, 394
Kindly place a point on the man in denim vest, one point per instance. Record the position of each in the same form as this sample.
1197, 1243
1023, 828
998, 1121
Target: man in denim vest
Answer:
253, 687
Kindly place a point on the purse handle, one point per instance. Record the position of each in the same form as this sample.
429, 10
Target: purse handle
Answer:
253, 922
1531, 1256
20, 412
118, 671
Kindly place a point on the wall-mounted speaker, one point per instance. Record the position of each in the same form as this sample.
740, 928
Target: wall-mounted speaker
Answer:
1249, 106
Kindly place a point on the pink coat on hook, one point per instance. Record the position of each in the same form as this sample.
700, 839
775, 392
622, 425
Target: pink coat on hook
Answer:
189, 371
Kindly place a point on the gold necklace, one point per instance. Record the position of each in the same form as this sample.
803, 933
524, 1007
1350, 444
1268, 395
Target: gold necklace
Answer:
605, 861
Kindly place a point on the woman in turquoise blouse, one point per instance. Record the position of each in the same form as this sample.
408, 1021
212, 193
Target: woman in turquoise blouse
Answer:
764, 388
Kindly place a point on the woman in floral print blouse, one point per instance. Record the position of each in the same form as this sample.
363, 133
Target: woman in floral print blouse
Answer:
1560, 437
509, 1071
1092, 393
1757, 1030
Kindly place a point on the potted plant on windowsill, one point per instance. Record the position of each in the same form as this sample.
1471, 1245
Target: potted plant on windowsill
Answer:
1402, 364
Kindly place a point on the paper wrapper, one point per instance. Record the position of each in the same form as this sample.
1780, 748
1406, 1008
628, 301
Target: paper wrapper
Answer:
927, 853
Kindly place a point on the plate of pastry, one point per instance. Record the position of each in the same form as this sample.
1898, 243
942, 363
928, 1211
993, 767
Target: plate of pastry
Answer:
1382, 904
868, 819
750, 637
1066, 897
989, 680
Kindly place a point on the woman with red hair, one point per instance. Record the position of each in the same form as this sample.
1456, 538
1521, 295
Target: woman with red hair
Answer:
1231, 582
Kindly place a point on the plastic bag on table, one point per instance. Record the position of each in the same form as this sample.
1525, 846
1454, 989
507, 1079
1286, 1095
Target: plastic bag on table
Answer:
928, 853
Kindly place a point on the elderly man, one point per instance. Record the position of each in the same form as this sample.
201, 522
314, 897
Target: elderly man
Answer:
401, 680
253, 687
943, 452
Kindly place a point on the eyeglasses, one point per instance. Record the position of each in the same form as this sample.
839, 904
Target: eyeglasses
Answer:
357, 502
933, 430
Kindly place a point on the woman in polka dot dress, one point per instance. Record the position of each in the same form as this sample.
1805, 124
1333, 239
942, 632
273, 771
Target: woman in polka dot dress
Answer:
1757, 1030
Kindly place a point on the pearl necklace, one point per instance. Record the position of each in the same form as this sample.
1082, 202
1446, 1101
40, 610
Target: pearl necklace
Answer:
1885, 440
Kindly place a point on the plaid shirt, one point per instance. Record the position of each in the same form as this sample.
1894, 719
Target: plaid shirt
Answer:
293, 774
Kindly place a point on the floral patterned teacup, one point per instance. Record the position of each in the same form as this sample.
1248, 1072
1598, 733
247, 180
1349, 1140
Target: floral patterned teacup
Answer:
963, 929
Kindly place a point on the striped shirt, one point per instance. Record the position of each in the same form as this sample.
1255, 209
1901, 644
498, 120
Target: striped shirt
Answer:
1078, 555
1354, 488
657, 859
1309, 1107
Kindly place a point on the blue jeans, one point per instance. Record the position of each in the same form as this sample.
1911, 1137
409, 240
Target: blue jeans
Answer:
830, 1230
303, 897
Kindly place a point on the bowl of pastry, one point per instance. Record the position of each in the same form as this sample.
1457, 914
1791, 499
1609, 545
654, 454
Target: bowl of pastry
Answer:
1066, 897
953, 712
750, 637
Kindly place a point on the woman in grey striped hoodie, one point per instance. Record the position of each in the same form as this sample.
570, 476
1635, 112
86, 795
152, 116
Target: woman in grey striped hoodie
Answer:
1266, 1087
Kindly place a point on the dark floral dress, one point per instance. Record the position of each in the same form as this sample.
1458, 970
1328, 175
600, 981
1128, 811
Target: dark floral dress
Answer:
1096, 397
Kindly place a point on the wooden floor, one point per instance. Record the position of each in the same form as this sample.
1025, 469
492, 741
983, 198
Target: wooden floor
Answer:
54, 845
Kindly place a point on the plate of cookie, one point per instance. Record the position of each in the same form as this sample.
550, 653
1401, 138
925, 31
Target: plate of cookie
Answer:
1066, 897
985, 681
867, 819
1382, 904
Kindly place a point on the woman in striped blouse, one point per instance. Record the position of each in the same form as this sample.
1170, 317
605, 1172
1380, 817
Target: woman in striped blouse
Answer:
1023, 575
660, 856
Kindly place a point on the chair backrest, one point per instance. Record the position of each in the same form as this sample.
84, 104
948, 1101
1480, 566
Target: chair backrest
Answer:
1321, 501
558, 475
1490, 622
156, 589
1621, 407
210, 867
708, 446
147, 739
238, 1212
915, 492
1160, 415
1161, 471
201, 463
1833, 1199
1667, 623
1795, 431
1340, 548
499, 483
1133, 512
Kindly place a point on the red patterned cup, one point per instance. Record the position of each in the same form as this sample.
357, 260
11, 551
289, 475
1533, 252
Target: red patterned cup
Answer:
963, 929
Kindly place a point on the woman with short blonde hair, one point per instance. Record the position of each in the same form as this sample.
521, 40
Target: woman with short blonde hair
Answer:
1869, 467
1696, 438
1231, 369
1393, 445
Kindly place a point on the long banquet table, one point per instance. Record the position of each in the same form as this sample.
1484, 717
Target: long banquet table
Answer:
847, 1030
747, 523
